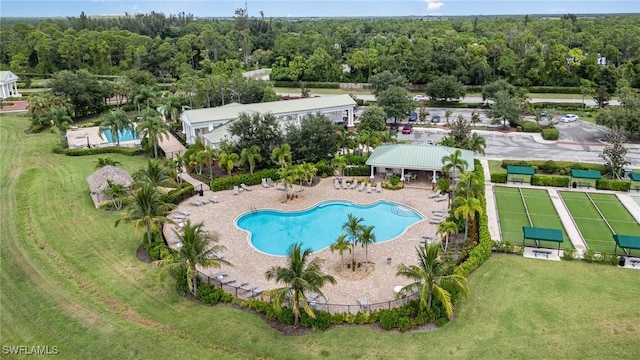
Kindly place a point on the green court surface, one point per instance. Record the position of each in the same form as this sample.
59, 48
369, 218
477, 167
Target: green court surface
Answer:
594, 230
513, 216
617, 215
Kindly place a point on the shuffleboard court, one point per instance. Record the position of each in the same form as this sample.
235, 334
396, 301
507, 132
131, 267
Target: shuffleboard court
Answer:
594, 230
544, 215
616, 214
511, 213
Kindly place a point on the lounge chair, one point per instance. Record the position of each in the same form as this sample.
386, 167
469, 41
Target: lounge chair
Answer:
354, 184
320, 304
240, 283
336, 184
196, 202
362, 186
369, 188
228, 280
379, 187
235, 190
270, 182
436, 221
441, 199
248, 287
311, 297
219, 275
245, 187
345, 184
257, 291
213, 199
183, 211
364, 304
433, 196
264, 183
437, 211
176, 216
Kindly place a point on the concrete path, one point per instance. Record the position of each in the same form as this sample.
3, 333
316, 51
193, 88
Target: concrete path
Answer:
172, 147
567, 221
492, 212
631, 205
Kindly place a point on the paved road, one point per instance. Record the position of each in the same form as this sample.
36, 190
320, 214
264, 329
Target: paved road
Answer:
477, 99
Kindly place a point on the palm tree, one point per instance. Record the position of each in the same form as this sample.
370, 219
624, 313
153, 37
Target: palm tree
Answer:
58, 118
310, 171
171, 106
345, 140
339, 162
281, 155
288, 176
121, 89
469, 185
250, 155
153, 128
177, 164
445, 229
366, 238
199, 248
227, 161
341, 245
117, 192
299, 277
143, 94
155, 174
431, 279
365, 138
467, 207
353, 227
116, 121
387, 137
451, 163
104, 161
212, 155
147, 211
476, 143
299, 173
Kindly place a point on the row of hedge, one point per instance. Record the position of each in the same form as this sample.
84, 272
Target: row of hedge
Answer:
308, 84
479, 254
179, 195
228, 183
565, 182
110, 205
129, 151
554, 167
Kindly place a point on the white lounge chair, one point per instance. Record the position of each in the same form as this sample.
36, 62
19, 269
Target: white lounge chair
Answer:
219, 275
441, 199
270, 182
228, 280
248, 287
345, 184
336, 184
245, 187
362, 186
433, 196
364, 304
264, 183
196, 202
436, 221
235, 190
311, 297
369, 188
320, 304
379, 187
257, 291
183, 211
213, 199
354, 184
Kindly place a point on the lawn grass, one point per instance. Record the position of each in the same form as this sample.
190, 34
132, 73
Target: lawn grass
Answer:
593, 229
70, 279
543, 214
511, 213
495, 166
617, 215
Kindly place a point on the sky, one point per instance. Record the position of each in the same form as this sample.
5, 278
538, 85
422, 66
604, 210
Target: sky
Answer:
314, 8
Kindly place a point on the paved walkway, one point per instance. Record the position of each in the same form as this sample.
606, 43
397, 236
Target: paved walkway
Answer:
492, 212
567, 221
631, 205
172, 147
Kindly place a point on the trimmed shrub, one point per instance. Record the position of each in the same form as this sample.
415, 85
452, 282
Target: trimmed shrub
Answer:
615, 185
227, 183
109, 205
550, 134
388, 319
569, 254
549, 180
355, 160
549, 166
179, 195
102, 150
358, 170
500, 178
530, 127
324, 168
321, 322
308, 84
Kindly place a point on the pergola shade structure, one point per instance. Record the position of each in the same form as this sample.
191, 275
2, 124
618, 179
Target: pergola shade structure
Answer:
635, 181
520, 174
538, 234
626, 242
212, 123
414, 157
584, 178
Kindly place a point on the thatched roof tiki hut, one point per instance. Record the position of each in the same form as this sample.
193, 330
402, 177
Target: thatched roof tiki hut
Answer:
98, 182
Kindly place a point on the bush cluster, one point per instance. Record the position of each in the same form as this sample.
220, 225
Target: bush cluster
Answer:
558, 167
109, 205
357, 170
554, 90
550, 134
227, 183
101, 150
324, 168
530, 127
178, 195
499, 178
549, 180
615, 185
591, 256
308, 84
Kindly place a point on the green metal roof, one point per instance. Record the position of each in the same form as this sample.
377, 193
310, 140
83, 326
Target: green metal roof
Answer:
635, 176
586, 174
544, 234
415, 156
520, 170
300, 106
627, 241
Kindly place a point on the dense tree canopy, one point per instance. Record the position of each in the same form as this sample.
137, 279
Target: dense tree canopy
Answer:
314, 139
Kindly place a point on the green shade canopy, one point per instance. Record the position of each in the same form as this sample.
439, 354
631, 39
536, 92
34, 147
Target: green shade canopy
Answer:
586, 174
543, 234
627, 241
520, 170
635, 176
415, 156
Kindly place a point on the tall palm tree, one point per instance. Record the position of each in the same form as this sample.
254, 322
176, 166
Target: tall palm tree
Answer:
299, 173
228, 161
171, 107
58, 118
116, 121
147, 211
155, 174
451, 163
367, 237
153, 128
177, 164
365, 138
341, 245
469, 185
117, 192
310, 171
199, 248
212, 155
143, 94
467, 207
288, 177
299, 277
121, 89
476, 143
250, 155
281, 155
386, 137
339, 162
432, 279
353, 227
345, 140
445, 229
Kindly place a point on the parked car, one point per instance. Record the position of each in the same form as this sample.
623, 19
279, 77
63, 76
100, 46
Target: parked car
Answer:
420, 98
429, 141
435, 119
413, 116
543, 113
407, 128
570, 118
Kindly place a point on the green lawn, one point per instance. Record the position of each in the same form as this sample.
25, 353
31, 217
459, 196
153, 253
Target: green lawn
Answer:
511, 213
594, 230
543, 214
617, 215
70, 279
495, 166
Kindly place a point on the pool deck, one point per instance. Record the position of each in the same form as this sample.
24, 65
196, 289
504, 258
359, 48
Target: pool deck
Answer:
251, 265
81, 137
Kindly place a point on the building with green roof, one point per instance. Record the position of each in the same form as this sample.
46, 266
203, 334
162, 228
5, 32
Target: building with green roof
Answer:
635, 181
211, 124
584, 178
520, 174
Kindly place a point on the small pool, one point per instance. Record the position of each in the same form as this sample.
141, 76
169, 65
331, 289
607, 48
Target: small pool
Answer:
126, 134
272, 232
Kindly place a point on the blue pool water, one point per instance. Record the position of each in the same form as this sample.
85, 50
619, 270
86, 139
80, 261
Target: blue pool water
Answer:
124, 135
272, 232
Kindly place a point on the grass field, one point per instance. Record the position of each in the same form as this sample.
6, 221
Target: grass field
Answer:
594, 230
513, 217
72, 280
495, 166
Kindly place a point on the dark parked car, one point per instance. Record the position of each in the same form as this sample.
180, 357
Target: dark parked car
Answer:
413, 116
407, 129
435, 119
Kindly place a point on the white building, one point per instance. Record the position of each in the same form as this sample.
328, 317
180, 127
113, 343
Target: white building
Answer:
8, 85
211, 124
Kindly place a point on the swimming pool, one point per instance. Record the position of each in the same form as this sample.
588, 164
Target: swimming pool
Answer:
126, 134
272, 232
